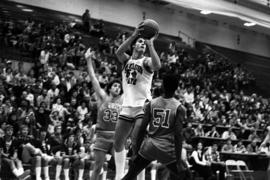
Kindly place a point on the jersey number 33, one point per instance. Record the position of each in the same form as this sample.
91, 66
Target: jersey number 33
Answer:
110, 115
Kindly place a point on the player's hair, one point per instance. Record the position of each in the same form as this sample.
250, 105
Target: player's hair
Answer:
170, 83
23, 126
108, 87
8, 127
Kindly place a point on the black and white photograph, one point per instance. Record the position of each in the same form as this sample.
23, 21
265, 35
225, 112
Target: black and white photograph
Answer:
134, 89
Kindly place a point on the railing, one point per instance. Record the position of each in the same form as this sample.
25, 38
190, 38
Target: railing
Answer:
187, 39
192, 42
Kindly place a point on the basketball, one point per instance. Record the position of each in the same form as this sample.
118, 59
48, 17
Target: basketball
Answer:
150, 28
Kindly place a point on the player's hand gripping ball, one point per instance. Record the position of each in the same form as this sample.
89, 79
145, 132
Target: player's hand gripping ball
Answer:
148, 28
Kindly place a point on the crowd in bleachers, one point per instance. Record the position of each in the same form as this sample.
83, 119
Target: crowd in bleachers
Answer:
52, 107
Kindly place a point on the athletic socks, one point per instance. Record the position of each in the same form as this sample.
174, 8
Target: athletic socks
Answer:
46, 173
58, 172
120, 161
38, 173
136, 167
66, 174
80, 174
141, 176
153, 172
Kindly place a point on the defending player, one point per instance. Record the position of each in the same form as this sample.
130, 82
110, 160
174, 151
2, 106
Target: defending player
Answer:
164, 115
137, 77
109, 106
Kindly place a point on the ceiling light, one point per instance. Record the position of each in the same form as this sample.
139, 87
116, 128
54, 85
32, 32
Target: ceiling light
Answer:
248, 24
27, 10
205, 12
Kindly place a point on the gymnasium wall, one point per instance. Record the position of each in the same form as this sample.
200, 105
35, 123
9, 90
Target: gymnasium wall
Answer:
130, 13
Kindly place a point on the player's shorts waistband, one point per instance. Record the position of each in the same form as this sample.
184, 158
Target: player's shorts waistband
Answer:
131, 112
126, 118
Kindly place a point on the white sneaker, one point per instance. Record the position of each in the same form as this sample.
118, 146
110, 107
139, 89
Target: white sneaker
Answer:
26, 175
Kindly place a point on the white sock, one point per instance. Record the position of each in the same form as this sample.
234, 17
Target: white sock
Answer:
58, 172
120, 161
80, 174
46, 173
153, 173
104, 175
66, 173
141, 176
38, 173
17, 172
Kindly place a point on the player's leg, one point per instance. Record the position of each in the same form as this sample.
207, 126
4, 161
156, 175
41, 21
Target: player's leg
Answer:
58, 169
174, 171
16, 170
153, 171
45, 165
136, 141
37, 160
66, 167
78, 165
136, 167
123, 128
99, 157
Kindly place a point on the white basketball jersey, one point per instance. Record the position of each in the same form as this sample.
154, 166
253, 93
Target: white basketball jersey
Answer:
137, 83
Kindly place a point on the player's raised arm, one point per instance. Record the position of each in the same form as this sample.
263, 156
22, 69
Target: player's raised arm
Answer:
121, 54
180, 117
99, 91
154, 62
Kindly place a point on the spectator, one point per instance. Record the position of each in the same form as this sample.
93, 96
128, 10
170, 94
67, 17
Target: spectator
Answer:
213, 133
189, 95
228, 147
12, 168
43, 97
229, 134
212, 155
243, 134
41, 162
200, 164
42, 116
199, 131
239, 147
253, 136
253, 147
86, 18
53, 92
44, 57
188, 133
82, 110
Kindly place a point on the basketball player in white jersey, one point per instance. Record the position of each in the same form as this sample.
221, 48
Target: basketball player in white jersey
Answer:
137, 78
163, 117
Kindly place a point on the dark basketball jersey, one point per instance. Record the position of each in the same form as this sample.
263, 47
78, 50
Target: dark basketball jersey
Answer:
108, 114
162, 124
